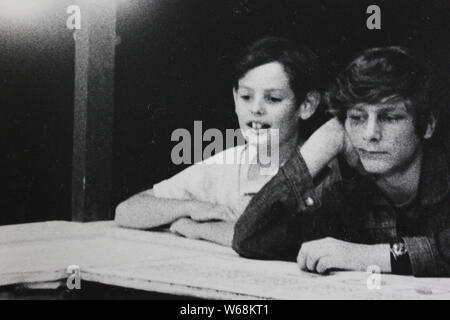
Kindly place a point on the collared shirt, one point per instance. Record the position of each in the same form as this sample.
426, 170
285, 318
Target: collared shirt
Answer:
221, 179
288, 212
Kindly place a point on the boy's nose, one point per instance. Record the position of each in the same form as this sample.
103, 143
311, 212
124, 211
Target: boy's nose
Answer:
372, 131
257, 106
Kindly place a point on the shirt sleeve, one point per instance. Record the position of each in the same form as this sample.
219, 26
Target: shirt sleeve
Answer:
190, 184
430, 255
282, 215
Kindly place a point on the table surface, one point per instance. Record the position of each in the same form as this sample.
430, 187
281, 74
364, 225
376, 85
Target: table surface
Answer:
39, 253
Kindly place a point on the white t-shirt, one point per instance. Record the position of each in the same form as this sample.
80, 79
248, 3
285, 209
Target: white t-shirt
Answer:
220, 179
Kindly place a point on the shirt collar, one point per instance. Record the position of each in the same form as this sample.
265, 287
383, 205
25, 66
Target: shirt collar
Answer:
247, 187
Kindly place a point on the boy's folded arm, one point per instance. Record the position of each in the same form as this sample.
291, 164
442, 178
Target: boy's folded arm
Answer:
144, 211
272, 239
220, 232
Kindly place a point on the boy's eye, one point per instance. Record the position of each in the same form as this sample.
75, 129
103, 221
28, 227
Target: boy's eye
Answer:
245, 97
273, 99
356, 117
390, 118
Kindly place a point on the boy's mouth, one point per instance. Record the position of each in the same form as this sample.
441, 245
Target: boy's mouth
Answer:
257, 125
372, 154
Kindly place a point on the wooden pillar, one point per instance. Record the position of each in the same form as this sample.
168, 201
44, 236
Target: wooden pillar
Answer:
93, 114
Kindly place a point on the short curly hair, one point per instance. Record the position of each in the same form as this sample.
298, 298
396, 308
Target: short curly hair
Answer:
386, 73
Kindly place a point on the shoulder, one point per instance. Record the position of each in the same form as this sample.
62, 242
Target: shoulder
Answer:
228, 156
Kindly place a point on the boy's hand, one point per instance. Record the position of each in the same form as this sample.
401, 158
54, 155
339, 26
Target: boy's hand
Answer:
350, 154
332, 135
186, 227
209, 211
325, 144
328, 254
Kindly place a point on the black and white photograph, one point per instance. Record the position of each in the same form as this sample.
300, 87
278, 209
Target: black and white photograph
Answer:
225, 150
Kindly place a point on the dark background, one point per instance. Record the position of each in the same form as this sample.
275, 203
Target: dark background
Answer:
173, 66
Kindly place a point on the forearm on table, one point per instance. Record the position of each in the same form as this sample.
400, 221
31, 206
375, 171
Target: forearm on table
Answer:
381, 257
220, 232
145, 210
265, 230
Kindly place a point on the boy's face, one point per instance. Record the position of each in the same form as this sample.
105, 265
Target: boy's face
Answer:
264, 100
384, 136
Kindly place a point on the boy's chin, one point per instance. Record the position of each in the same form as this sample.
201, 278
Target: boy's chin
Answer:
256, 140
376, 167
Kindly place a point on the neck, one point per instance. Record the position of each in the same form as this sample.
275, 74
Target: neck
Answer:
288, 147
284, 153
285, 150
402, 185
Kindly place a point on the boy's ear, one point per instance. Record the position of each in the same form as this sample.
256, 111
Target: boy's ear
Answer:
309, 106
431, 126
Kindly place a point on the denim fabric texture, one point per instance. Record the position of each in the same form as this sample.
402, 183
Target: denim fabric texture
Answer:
292, 209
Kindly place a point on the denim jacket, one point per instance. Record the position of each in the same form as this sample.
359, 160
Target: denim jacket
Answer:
288, 211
